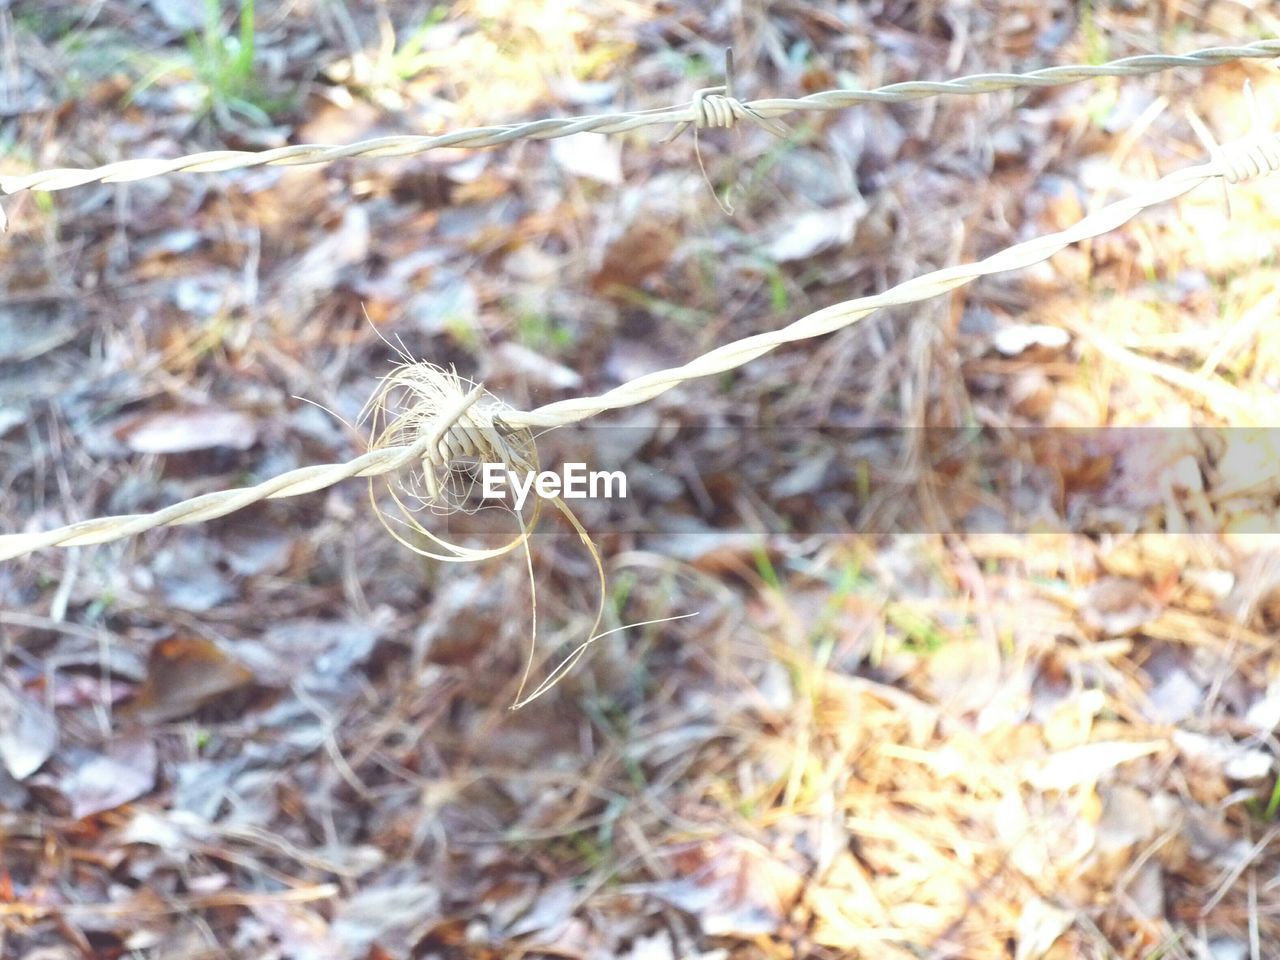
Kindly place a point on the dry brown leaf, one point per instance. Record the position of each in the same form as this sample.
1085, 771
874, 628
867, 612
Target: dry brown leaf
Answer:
643, 250
183, 674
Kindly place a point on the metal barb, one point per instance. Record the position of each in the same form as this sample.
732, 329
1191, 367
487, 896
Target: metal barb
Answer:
718, 107
1254, 155
761, 112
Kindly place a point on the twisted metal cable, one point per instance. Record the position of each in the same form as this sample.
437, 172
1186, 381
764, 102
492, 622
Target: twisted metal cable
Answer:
710, 107
718, 107
432, 444
1253, 156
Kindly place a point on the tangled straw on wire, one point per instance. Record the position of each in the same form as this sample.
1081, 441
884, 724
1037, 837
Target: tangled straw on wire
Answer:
459, 419
455, 426
421, 399
711, 107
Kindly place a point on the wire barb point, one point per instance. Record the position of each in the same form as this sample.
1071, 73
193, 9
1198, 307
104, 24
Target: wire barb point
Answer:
1254, 155
717, 107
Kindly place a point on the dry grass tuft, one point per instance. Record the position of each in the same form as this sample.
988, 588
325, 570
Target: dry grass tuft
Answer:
463, 422
419, 400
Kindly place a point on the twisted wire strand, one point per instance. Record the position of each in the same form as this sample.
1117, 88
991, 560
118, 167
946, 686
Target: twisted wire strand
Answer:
710, 107
219, 503
1252, 156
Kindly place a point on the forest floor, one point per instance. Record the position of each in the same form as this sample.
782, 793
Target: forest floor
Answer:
985, 591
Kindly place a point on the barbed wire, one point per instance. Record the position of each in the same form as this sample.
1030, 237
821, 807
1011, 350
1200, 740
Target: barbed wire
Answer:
714, 106
216, 504
1253, 156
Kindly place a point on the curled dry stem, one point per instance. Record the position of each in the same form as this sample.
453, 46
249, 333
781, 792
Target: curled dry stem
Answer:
454, 425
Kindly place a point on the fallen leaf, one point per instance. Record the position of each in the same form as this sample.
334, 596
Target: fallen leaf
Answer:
12, 797
465, 617
302, 933
642, 250
384, 915
817, 230
254, 549
593, 156
1176, 697
1131, 103
450, 303
1248, 464
104, 781
845, 907
182, 15
1226, 948
319, 270
332, 649
1237, 761
201, 786
204, 295
195, 428
964, 676
32, 331
1127, 818
28, 732
656, 947
1148, 465
1018, 338
1117, 606
184, 673
1087, 764
549, 916
186, 575
732, 888
166, 830
1263, 714
511, 361
1039, 928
